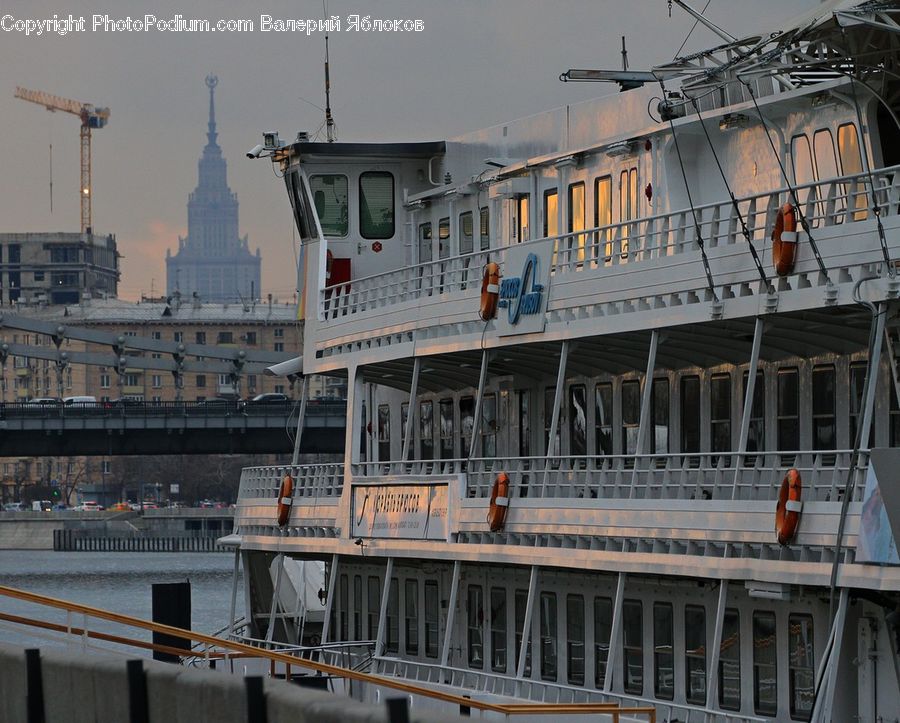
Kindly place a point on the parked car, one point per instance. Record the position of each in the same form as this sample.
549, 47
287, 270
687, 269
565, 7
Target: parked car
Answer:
270, 398
44, 402
88, 506
79, 401
14, 507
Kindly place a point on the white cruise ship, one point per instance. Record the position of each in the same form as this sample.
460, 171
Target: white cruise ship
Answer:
622, 418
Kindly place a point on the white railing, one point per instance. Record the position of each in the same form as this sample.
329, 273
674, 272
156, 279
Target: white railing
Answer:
829, 203
311, 481
544, 691
719, 476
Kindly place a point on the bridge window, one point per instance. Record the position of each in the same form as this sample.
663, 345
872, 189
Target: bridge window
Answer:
603, 421
801, 156
404, 420
826, 161
576, 220
633, 646
690, 414
431, 619
445, 411
474, 627
851, 165
549, 635
575, 639
357, 607
376, 205
720, 412
384, 432
485, 228
857, 384
520, 222
425, 252
489, 425
695, 654
524, 396
466, 424
521, 603
392, 619
577, 420
730, 661
344, 598
788, 409
603, 216
663, 651
823, 416
551, 213
444, 238
498, 629
602, 634
631, 415
411, 616
373, 592
628, 202
426, 430
466, 233
330, 196
756, 434
801, 666
765, 669
659, 441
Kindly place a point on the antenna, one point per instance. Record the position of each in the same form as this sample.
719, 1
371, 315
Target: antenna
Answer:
329, 120
624, 55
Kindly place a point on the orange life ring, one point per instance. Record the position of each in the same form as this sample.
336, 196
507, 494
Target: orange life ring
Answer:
490, 291
496, 515
787, 513
784, 240
285, 500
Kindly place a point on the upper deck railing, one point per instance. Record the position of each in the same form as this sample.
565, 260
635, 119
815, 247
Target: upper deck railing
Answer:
838, 201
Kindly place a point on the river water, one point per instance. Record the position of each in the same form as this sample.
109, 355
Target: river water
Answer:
116, 581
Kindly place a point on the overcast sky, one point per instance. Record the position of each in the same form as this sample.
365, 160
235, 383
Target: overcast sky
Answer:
475, 64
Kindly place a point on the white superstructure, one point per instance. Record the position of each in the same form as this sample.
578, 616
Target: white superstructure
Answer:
646, 385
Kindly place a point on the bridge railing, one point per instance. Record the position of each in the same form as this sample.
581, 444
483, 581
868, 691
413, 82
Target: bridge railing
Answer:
311, 481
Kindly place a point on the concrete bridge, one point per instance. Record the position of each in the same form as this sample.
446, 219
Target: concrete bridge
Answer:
211, 427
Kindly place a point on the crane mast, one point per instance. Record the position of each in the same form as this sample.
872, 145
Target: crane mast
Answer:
91, 117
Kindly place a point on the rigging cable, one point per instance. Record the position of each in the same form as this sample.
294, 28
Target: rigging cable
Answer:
803, 222
687, 188
744, 230
864, 155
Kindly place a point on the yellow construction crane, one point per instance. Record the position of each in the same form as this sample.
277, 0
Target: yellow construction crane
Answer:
91, 117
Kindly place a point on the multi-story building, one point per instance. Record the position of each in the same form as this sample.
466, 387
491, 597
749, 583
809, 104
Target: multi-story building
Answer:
57, 268
213, 260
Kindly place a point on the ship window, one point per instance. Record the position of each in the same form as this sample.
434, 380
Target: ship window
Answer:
426, 430
659, 440
549, 635
431, 619
801, 666
498, 629
376, 205
663, 651
720, 412
392, 618
631, 415
603, 421
801, 155
425, 252
628, 202
357, 607
466, 424
576, 220
765, 671
444, 238
823, 418
411, 613
690, 414
730, 661
344, 604
851, 165
384, 432
520, 222
575, 639
466, 233
489, 426
602, 633
788, 410
857, 382
299, 203
756, 432
549, 399
633, 646
404, 420
695, 654
577, 421
551, 213
826, 165
445, 410
373, 590
330, 198
524, 423
475, 627
485, 228
521, 623
603, 217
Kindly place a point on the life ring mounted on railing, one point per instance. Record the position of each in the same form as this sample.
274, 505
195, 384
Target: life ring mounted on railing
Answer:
787, 513
496, 516
285, 500
490, 291
784, 240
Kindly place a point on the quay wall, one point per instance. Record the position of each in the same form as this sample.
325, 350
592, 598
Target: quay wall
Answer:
77, 687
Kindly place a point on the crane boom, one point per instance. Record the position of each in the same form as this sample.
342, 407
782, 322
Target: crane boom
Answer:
91, 117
